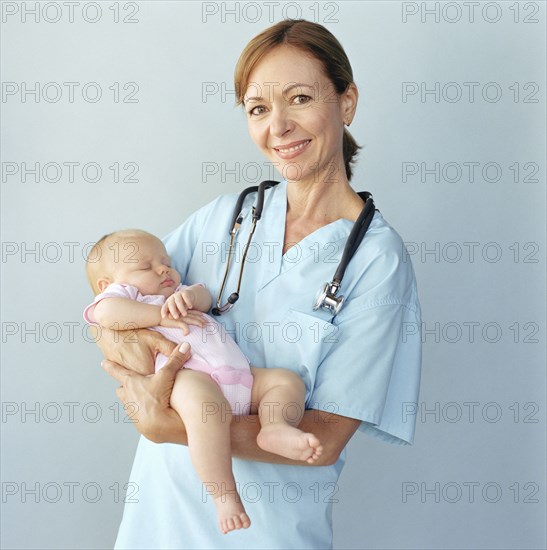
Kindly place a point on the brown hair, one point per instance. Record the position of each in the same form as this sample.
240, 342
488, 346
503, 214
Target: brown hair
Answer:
315, 40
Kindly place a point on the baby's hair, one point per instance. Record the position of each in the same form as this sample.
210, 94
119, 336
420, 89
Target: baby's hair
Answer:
95, 266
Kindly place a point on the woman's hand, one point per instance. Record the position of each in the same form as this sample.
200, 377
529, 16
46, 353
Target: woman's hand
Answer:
171, 322
137, 349
146, 398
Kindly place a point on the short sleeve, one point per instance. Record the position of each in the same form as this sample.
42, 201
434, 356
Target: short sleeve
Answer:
181, 242
372, 371
113, 290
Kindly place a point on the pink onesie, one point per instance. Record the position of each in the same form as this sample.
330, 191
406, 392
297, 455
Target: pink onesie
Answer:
213, 350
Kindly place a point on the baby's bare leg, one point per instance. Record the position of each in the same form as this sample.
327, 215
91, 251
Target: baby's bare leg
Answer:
207, 416
280, 396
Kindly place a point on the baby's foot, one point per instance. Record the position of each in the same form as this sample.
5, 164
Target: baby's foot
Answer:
289, 442
231, 513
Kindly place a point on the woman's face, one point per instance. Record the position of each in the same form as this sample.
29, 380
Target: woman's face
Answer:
296, 118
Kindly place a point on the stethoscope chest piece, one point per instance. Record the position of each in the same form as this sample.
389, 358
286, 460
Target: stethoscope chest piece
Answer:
326, 298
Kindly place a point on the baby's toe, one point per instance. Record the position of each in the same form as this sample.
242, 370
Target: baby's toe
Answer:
246, 522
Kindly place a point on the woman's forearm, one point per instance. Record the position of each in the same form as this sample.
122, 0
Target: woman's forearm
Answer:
170, 430
160, 423
334, 431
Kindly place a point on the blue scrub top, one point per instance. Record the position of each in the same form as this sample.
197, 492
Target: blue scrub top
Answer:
364, 363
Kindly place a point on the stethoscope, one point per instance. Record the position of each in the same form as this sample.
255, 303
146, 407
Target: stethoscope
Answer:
327, 297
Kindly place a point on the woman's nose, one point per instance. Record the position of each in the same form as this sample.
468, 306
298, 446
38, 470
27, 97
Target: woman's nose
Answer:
280, 122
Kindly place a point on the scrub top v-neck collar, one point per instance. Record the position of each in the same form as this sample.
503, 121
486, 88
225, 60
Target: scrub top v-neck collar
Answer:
272, 234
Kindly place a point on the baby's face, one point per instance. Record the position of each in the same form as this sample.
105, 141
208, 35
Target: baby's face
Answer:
143, 262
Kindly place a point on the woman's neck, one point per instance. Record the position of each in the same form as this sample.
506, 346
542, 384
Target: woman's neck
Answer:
315, 205
318, 203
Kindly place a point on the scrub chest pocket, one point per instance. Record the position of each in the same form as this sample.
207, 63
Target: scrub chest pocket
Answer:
302, 344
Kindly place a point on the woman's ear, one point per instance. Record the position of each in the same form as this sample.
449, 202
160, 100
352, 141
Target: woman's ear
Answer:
102, 284
348, 103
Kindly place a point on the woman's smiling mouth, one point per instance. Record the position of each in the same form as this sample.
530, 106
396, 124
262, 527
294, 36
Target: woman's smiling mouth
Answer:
291, 149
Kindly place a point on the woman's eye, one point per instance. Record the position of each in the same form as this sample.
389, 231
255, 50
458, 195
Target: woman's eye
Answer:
301, 99
256, 111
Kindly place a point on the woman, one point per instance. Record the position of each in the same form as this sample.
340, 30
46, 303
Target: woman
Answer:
296, 85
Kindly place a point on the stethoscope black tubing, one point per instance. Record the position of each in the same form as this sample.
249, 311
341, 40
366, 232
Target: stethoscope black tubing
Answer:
357, 234
257, 211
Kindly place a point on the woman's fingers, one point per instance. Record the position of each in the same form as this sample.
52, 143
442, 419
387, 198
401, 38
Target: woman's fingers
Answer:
176, 360
175, 323
117, 371
195, 318
178, 355
162, 345
134, 348
120, 392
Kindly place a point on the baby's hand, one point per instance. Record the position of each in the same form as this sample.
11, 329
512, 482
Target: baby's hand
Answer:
178, 304
194, 318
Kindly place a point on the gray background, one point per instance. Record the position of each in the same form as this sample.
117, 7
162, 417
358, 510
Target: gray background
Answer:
389, 497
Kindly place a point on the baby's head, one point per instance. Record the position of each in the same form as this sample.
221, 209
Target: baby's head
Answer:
132, 257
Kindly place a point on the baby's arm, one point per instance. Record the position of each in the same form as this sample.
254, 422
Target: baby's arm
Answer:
191, 297
126, 312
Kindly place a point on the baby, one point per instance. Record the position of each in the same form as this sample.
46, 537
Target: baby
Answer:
136, 287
